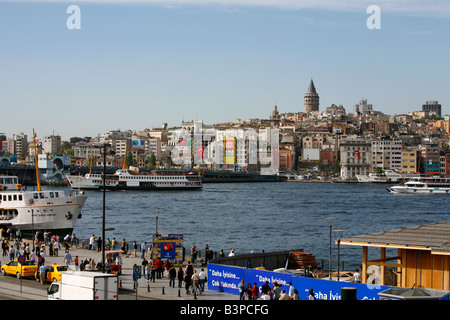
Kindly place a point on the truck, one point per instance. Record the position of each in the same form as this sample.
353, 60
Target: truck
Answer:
84, 285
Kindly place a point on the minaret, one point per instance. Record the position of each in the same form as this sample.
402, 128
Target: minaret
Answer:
311, 99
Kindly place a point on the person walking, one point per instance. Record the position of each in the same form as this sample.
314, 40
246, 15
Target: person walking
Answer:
67, 258
143, 250
180, 276
241, 287
202, 280
255, 292
172, 276
195, 281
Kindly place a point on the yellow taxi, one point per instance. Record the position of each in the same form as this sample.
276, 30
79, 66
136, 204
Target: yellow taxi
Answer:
26, 269
52, 272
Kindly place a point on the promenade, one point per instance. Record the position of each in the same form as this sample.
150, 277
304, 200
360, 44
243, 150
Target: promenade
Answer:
158, 290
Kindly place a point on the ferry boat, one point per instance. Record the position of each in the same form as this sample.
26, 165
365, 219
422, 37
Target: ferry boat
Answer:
372, 178
133, 179
31, 208
387, 177
423, 185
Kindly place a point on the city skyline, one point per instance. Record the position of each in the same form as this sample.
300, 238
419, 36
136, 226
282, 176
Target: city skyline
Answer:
136, 66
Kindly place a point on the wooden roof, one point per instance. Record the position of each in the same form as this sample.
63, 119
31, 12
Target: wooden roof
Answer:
434, 237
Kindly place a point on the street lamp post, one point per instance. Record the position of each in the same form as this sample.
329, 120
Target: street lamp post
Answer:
338, 242
329, 264
104, 206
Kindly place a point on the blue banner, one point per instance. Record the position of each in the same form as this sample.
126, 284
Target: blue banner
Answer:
224, 278
261, 276
227, 278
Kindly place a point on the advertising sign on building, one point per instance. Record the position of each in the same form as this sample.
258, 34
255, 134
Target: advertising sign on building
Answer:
230, 152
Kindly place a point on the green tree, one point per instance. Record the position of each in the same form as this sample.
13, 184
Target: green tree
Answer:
152, 161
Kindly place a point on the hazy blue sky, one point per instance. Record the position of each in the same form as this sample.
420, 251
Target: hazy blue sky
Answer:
135, 65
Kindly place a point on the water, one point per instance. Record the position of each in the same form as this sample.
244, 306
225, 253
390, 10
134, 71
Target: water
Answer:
261, 216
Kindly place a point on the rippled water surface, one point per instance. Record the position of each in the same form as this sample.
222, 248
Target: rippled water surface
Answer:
261, 216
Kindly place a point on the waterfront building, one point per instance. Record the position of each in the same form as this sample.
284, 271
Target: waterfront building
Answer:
430, 156
410, 160
355, 157
311, 99
386, 154
432, 107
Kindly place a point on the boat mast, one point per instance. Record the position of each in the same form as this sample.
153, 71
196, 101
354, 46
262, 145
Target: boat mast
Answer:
36, 163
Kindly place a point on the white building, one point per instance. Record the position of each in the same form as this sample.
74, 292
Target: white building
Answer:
386, 154
355, 158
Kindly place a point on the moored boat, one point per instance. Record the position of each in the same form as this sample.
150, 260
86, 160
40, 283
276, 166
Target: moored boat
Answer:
31, 208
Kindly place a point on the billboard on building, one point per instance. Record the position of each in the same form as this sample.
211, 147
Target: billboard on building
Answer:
229, 150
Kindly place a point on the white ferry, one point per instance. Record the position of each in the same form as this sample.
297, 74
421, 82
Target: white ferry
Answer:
423, 185
132, 179
31, 209
372, 178
387, 177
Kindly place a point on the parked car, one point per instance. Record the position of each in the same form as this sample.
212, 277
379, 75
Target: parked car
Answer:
27, 269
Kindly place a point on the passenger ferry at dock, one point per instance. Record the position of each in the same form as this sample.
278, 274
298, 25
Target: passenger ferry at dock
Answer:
133, 179
423, 185
31, 209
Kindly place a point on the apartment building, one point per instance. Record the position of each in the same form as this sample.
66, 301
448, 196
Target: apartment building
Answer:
386, 154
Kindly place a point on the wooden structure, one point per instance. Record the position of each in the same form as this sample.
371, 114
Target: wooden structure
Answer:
423, 254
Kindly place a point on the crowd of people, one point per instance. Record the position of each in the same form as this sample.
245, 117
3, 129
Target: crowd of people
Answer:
249, 292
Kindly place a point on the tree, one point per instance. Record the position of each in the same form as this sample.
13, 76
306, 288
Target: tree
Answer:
152, 161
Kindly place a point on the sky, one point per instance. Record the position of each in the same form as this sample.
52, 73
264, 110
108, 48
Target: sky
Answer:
138, 64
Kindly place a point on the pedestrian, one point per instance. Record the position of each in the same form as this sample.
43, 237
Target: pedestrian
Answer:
189, 270
159, 268
206, 253
68, 257
232, 253
241, 287
194, 253
167, 265
144, 265
291, 290
312, 296
55, 248
135, 247
357, 276
152, 271
143, 249
92, 242
295, 295
255, 292
113, 244
77, 267
276, 291
12, 253
195, 281
180, 276
187, 282
122, 247
202, 280
33, 256
248, 291
284, 296
172, 276
99, 244
265, 287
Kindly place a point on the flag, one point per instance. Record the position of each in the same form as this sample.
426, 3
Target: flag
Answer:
357, 154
